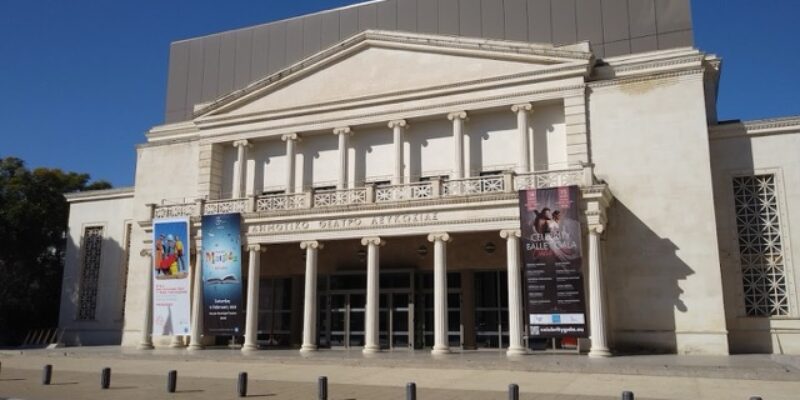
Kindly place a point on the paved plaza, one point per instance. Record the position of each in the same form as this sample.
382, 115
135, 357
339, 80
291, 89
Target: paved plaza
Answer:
284, 374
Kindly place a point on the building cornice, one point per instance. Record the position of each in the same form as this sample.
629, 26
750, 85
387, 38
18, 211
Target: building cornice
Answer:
97, 195
761, 127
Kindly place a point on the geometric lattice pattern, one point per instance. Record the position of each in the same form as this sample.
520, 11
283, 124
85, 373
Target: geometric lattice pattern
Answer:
760, 246
87, 293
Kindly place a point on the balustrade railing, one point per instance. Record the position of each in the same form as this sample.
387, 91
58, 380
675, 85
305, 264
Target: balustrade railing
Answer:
475, 186
280, 202
342, 197
548, 179
411, 191
175, 210
215, 207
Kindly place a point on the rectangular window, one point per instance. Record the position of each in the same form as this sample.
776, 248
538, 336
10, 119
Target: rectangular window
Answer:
90, 272
760, 246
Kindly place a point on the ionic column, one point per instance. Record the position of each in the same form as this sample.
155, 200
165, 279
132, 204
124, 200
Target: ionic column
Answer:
597, 313
398, 128
310, 308
371, 327
441, 343
253, 283
515, 346
147, 326
523, 161
458, 119
195, 340
241, 168
290, 140
344, 133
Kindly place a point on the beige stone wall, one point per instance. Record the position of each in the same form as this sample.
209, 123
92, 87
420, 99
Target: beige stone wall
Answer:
649, 142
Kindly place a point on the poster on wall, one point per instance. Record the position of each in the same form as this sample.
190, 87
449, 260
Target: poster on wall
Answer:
222, 275
551, 247
171, 271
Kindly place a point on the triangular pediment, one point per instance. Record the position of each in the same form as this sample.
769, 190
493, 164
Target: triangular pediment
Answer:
376, 63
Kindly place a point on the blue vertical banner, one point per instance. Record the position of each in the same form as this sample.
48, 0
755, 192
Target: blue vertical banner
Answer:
222, 275
171, 271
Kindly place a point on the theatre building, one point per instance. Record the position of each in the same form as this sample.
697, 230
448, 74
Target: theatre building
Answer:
370, 162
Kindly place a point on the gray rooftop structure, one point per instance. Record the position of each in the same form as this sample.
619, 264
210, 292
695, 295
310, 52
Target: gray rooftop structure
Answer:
205, 68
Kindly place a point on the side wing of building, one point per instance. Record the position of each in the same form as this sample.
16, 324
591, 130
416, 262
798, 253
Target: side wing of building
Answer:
93, 295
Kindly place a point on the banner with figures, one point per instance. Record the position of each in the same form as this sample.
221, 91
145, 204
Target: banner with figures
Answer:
171, 272
222, 275
551, 251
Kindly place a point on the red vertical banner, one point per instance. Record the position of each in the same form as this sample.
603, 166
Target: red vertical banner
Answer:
551, 251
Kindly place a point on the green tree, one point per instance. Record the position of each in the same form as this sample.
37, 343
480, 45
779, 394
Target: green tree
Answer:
33, 223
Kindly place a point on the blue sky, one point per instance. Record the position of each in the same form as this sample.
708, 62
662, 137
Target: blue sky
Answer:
81, 81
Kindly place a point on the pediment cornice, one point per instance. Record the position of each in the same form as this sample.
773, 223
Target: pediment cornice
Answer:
549, 56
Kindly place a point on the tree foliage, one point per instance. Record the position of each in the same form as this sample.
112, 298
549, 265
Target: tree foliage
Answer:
33, 223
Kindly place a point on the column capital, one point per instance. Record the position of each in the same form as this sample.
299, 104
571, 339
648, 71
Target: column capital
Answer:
290, 136
398, 123
344, 130
311, 244
524, 107
462, 115
373, 240
255, 247
509, 233
241, 143
439, 237
597, 228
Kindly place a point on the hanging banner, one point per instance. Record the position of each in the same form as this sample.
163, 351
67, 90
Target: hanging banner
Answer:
551, 247
222, 275
171, 283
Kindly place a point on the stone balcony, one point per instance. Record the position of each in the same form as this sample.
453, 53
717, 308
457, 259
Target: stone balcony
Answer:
389, 195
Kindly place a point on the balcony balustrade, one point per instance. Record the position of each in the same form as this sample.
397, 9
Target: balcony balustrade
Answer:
371, 194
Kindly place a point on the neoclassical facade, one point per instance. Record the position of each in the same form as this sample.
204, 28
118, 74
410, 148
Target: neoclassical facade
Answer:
378, 183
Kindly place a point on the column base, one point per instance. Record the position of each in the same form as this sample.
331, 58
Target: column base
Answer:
145, 346
516, 351
599, 352
371, 349
308, 348
249, 347
195, 346
437, 351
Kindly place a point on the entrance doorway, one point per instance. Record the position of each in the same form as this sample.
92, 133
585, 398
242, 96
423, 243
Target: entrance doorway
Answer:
405, 312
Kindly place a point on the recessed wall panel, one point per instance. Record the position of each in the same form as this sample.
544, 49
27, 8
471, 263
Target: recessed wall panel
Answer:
469, 12
589, 20
448, 17
244, 58
539, 24
516, 19
564, 21
492, 20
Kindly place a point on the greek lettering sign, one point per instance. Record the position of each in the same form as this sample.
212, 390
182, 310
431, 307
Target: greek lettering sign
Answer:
171, 281
551, 240
222, 275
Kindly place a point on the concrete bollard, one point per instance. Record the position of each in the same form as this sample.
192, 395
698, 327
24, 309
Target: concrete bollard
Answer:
172, 381
513, 391
626, 395
411, 391
47, 374
242, 386
105, 378
323, 388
